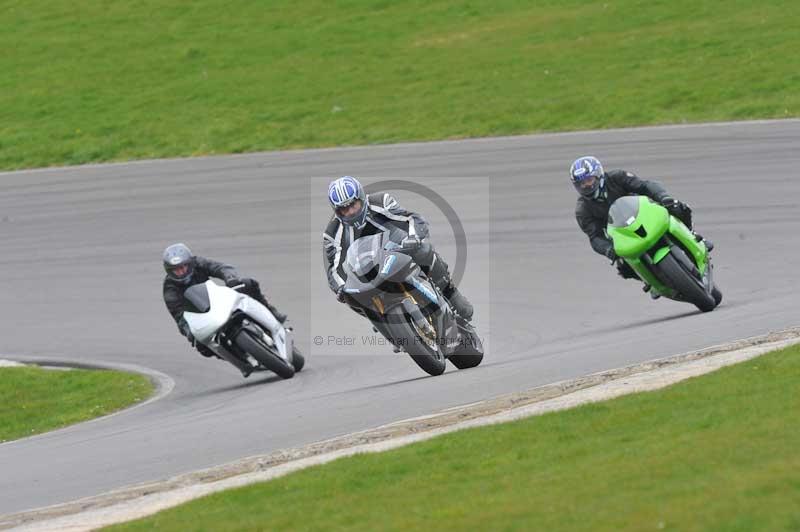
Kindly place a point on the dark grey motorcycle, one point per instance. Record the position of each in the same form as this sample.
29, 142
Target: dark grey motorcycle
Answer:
385, 285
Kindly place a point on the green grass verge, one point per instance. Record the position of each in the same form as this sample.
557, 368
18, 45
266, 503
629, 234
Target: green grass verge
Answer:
34, 400
718, 452
97, 80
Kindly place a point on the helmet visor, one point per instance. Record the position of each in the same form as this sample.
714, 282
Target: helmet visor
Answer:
587, 186
180, 271
350, 211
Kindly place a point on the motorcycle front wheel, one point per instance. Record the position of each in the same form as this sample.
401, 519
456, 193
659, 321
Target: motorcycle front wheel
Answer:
676, 275
407, 337
264, 355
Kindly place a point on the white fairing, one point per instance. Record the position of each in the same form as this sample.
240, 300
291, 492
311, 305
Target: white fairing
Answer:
224, 302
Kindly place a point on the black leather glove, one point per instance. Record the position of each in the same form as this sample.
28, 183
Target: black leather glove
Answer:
341, 295
669, 202
234, 281
251, 285
411, 242
183, 327
674, 206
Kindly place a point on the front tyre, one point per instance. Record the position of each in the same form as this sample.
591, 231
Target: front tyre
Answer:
264, 355
677, 275
405, 335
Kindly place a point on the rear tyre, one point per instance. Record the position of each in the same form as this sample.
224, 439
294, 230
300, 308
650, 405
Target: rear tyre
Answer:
470, 354
465, 361
676, 275
717, 295
264, 355
298, 361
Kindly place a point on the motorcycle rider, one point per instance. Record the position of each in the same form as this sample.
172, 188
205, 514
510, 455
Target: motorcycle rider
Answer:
185, 269
598, 189
356, 214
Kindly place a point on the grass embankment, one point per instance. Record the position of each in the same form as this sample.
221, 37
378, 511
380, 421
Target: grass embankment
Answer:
98, 81
719, 452
34, 400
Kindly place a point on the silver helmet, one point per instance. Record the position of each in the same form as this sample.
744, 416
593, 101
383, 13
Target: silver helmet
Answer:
179, 263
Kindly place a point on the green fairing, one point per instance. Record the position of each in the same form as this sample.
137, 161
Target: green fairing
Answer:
659, 255
697, 249
647, 276
656, 222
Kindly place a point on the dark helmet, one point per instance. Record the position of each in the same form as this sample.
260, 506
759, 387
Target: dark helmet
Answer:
587, 176
179, 263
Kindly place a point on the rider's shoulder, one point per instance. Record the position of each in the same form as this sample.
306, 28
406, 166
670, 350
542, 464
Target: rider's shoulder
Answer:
619, 174
382, 201
379, 199
333, 226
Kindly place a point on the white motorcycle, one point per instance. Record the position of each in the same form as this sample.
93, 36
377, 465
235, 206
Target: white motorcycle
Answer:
240, 330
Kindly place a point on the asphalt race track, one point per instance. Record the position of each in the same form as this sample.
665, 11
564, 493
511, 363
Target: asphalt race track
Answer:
81, 280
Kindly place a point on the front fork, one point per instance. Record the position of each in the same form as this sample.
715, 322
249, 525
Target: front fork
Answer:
432, 320
223, 346
696, 249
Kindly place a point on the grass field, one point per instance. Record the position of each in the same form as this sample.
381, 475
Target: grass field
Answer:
34, 400
719, 452
98, 81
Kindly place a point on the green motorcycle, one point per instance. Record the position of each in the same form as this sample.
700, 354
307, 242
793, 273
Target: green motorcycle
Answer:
663, 252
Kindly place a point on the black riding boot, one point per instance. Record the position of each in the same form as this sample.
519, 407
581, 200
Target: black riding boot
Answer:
686, 217
709, 244
280, 316
440, 275
624, 270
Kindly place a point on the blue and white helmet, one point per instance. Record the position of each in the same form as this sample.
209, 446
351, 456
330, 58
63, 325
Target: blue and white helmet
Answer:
342, 193
587, 176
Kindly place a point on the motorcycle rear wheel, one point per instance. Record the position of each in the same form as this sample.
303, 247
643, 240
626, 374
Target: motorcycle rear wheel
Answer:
467, 355
717, 294
298, 360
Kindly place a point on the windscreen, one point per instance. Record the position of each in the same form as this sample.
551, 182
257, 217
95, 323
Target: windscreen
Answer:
624, 211
363, 254
196, 298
